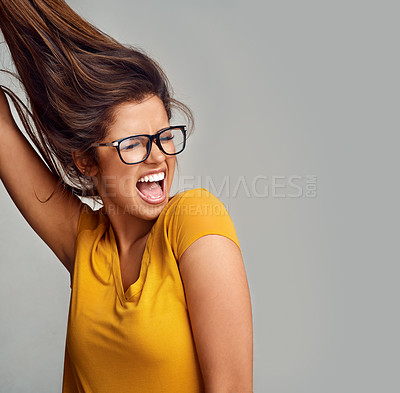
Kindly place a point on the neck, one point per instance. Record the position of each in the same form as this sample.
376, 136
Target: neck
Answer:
128, 229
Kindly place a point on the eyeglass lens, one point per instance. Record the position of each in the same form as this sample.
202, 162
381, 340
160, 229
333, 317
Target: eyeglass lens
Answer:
135, 149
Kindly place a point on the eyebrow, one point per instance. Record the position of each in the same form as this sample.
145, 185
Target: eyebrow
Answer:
138, 134
161, 129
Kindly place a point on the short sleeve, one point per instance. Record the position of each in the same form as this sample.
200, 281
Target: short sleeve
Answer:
89, 219
198, 213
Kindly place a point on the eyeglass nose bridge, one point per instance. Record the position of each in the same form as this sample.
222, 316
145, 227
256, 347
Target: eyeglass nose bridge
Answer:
153, 138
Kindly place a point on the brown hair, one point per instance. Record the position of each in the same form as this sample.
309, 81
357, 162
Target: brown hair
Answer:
74, 76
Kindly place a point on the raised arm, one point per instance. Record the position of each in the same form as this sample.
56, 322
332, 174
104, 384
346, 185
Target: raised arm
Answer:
29, 181
219, 307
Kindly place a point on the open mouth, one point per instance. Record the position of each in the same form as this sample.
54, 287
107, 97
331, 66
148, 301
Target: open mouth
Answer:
151, 191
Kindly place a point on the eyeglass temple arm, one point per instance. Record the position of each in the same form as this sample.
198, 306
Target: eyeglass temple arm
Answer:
113, 144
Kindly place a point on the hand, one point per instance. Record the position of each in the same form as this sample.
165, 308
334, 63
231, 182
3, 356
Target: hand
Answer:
5, 112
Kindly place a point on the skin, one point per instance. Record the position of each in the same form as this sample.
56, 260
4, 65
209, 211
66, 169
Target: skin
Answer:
220, 317
24, 178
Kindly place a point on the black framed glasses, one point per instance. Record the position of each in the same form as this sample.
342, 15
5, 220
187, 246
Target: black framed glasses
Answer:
136, 149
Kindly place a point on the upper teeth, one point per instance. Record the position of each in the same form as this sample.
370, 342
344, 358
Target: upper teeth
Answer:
155, 177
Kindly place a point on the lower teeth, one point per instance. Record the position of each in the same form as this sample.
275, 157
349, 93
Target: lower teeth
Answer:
152, 190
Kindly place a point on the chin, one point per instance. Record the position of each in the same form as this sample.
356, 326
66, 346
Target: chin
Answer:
146, 210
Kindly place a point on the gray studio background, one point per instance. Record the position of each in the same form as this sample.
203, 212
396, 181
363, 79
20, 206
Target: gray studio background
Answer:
297, 131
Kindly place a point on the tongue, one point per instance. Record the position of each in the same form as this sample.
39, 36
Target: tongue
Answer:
150, 189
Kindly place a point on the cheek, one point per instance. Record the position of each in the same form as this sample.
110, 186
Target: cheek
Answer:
127, 186
115, 179
108, 186
171, 169
112, 186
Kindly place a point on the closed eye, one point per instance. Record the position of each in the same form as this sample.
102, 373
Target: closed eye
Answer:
131, 146
167, 138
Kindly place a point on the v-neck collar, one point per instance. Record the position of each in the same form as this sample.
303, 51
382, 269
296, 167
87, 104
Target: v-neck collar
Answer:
136, 287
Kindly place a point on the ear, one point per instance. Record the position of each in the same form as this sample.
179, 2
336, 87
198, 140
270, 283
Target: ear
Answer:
84, 164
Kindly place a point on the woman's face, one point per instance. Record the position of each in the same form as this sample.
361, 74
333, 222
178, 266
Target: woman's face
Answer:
123, 188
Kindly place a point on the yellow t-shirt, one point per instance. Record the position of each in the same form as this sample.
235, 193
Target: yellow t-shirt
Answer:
139, 340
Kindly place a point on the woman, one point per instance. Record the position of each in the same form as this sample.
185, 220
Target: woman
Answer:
159, 299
